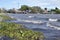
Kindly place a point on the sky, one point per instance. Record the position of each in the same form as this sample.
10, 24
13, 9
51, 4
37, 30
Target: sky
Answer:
9, 4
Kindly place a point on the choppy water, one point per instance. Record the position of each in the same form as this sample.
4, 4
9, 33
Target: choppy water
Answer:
39, 22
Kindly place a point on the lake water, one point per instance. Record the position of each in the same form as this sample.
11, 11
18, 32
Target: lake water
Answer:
39, 22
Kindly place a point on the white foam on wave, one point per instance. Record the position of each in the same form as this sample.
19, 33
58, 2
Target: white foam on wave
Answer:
55, 27
12, 17
30, 21
53, 19
30, 16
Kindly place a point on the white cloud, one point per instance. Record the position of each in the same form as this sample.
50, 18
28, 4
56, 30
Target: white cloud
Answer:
51, 3
43, 3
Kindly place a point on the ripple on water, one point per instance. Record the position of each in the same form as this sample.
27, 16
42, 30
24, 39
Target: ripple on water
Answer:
49, 33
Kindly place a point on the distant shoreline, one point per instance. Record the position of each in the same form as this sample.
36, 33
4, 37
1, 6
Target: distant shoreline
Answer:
28, 13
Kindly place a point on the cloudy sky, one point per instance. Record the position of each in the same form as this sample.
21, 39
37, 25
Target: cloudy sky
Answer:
42, 3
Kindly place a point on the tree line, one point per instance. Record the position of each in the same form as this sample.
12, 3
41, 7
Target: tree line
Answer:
34, 9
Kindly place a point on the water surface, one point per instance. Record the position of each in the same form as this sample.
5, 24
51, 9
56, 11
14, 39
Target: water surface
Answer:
31, 21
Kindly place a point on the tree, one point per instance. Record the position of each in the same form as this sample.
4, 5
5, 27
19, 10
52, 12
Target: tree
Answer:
24, 8
45, 8
4, 10
57, 10
36, 9
0, 10
11, 10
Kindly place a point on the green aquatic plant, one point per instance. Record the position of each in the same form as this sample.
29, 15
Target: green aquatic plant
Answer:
18, 32
5, 17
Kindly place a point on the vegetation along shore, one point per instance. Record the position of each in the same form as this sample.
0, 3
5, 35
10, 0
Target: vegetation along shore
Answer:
13, 31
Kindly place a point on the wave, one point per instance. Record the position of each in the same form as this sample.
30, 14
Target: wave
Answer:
11, 16
30, 21
53, 19
30, 16
53, 26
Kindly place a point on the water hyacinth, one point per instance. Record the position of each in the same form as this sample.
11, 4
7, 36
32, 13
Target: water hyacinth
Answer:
5, 18
16, 31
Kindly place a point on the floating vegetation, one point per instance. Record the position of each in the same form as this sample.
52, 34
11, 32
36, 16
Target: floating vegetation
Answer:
18, 32
5, 18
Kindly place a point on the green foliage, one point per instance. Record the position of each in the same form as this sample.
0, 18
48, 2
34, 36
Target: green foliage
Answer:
18, 32
3, 10
0, 10
5, 17
11, 10
57, 11
36, 9
24, 8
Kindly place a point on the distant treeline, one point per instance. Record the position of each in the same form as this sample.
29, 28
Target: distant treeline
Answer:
34, 9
